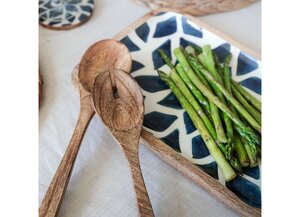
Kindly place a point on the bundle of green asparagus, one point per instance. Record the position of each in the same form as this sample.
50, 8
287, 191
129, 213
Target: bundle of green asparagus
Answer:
227, 116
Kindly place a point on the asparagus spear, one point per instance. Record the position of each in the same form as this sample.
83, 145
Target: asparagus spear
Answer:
255, 114
219, 66
194, 90
244, 131
227, 150
251, 152
189, 96
225, 167
194, 63
226, 73
165, 58
252, 149
227, 86
240, 151
237, 144
198, 50
210, 65
201, 59
192, 87
192, 60
231, 99
252, 142
221, 137
251, 99
190, 50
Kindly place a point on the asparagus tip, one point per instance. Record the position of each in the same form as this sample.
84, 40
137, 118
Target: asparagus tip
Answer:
245, 163
160, 51
161, 74
228, 59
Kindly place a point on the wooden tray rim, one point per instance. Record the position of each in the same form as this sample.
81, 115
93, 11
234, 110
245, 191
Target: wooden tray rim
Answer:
195, 20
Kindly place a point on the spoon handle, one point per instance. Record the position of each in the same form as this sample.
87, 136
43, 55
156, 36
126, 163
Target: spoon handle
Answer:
144, 204
52, 200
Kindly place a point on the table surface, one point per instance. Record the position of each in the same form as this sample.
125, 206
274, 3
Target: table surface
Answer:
101, 184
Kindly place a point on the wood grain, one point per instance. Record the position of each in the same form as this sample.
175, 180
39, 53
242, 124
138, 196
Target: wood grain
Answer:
123, 116
52, 200
198, 7
100, 57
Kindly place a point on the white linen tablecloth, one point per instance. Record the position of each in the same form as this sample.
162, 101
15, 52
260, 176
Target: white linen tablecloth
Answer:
101, 184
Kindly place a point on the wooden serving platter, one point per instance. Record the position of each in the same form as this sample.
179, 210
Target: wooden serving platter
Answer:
150, 138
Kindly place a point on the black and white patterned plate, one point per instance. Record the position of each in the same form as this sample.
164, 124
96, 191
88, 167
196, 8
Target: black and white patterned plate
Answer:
64, 14
164, 116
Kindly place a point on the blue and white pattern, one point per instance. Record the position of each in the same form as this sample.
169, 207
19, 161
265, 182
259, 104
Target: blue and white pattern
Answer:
164, 116
63, 13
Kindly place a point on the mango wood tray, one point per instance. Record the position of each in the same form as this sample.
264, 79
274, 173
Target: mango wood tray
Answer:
168, 131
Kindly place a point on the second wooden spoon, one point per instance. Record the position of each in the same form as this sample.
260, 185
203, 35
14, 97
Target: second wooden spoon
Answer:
123, 115
99, 57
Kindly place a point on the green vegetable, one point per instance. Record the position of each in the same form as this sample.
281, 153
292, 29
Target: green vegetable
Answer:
190, 50
219, 66
192, 87
244, 131
237, 143
198, 50
227, 150
255, 114
251, 99
228, 86
204, 88
210, 65
166, 58
240, 151
194, 90
189, 96
231, 99
252, 152
214, 150
214, 110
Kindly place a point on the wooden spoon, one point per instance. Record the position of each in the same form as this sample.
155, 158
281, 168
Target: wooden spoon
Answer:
52, 200
99, 57
123, 114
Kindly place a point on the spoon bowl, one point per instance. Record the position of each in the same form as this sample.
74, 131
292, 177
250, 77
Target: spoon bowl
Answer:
123, 113
100, 57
